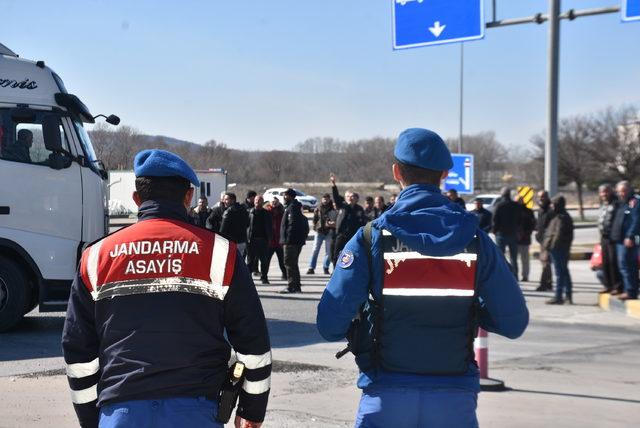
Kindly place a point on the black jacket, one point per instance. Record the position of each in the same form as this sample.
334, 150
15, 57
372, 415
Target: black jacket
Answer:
135, 333
506, 218
607, 215
234, 224
526, 225
372, 213
259, 225
215, 218
295, 226
350, 218
484, 219
199, 218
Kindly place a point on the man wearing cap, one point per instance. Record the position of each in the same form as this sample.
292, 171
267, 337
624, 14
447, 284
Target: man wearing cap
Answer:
433, 277
153, 311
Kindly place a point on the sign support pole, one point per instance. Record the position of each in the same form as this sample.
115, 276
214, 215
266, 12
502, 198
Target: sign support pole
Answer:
551, 143
461, 96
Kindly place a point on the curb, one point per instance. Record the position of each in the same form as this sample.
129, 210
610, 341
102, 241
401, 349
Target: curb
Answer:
575, 255
628, 307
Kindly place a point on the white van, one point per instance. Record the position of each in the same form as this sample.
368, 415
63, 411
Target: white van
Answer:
52, 197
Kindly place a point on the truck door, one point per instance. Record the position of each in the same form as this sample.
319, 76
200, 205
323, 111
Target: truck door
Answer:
41, 193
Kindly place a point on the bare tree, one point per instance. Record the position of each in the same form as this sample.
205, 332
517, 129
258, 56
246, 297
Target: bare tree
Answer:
616, 142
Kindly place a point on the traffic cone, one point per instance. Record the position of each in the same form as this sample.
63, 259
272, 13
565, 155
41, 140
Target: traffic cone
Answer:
481, 347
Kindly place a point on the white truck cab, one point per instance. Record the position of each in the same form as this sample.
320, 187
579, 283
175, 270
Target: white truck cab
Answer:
52, 201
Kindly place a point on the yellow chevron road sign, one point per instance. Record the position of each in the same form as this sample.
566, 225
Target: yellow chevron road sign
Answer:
527, 194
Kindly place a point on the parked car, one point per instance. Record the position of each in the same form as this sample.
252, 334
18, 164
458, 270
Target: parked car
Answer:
489, 201
309, 203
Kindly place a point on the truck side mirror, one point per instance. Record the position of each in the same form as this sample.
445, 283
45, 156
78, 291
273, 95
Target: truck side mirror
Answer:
113, 119
51, 133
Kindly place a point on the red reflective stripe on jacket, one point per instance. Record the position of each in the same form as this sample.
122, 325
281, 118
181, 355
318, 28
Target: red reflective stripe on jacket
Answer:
83, 270
231, 263
429, 273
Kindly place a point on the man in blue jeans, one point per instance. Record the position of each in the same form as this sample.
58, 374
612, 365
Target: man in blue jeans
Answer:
624, 232
557, 240
321, 216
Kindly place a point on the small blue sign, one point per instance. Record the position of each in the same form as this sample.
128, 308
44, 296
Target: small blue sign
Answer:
631, 10
432, 22
460, 177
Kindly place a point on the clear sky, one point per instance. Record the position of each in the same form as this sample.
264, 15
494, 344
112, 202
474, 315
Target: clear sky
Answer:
265, 75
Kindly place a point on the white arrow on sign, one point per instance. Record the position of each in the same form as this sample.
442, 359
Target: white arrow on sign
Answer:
437, 29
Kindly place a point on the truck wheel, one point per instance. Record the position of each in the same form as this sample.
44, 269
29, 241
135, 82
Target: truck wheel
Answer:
14, 294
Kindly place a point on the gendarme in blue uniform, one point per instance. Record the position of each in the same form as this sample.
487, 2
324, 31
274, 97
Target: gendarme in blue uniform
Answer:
423, 373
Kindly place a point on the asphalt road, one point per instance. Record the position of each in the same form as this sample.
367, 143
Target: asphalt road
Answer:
575, 366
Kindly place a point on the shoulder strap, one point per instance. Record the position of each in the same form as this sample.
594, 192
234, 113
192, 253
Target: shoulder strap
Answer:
376, 303
367, 235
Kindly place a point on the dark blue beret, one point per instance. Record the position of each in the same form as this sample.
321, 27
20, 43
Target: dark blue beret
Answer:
160, 163
424, 149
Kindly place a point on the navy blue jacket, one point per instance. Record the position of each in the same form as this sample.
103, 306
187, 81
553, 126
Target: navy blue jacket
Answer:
626, 222
424, 220
133, 335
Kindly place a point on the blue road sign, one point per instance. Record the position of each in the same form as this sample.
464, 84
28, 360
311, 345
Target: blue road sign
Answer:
631, 10
431, 22
461, 175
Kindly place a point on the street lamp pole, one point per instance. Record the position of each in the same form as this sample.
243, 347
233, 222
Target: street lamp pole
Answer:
551, 143
461, 96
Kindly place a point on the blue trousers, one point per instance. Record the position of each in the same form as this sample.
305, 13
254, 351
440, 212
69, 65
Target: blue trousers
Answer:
162, 413
317, 244
511, 242
560, 260
628, 266
416, 408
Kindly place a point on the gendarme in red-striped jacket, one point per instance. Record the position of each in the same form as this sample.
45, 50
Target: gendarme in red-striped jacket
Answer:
148, 315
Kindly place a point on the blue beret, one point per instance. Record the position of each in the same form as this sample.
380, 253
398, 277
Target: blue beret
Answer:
424, 149
160, 163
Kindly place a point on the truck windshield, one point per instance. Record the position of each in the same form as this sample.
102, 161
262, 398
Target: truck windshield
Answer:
87, 147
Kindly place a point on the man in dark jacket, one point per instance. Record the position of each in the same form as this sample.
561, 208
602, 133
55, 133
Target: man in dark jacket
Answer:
371, 212
321, 217
505, 226
350, 217
557, 240
545, 214
154, 312
258, 236
526, 225
484, 216
452, 194
293, 235
235, 221
249, 200
215, 216
624, 232
200, 213
610, 273
379, 204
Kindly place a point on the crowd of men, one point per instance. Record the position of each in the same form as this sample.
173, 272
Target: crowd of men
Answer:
619, 227
262, 229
